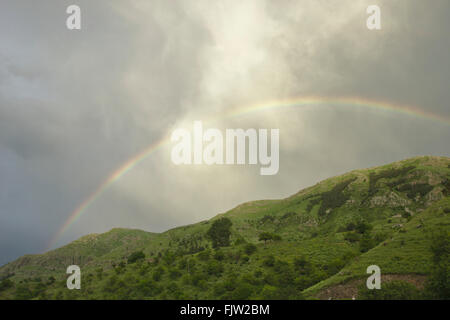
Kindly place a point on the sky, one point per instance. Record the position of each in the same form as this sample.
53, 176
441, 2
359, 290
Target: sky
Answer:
75, 105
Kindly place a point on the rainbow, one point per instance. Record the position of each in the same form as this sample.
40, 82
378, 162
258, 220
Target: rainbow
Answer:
353, 102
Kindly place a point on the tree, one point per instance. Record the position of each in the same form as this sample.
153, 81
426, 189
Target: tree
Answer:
265, 236
220, 233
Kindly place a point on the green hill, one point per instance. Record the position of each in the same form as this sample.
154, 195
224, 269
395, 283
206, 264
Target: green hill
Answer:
316, 243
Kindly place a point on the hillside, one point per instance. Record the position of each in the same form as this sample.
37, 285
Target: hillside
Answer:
318, 244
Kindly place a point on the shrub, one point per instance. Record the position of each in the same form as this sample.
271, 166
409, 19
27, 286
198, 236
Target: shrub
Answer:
158, 273
269, 261
352, 236
249, 248
242, 291
267, 236
219, 255
406, 215
6, 284
334, 266
99, 272
214, 268
363, 227
135, 256
120, 268
366, 243
239, 241
269, 293
174, 274
204, 255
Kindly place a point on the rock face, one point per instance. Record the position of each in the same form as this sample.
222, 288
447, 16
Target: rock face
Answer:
390, 200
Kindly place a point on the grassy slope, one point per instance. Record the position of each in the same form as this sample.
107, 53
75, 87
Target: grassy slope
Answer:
319, 234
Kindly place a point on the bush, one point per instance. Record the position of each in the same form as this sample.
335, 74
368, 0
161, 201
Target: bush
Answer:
302, 266
352, 236
219, 255
243, 291
239, 241
214, 268
6, 284
120, 268
204, 255
363, 227
249, 248
366, 243
269, 261
267, 236
406, 215
334, 266
135, 256
158, 273
174, 274
269, 293
244, 259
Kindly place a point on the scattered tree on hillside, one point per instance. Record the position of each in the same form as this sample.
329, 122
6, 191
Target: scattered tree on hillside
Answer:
267, 236
220, 233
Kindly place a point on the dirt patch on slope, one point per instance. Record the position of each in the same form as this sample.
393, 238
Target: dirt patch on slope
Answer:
349, 290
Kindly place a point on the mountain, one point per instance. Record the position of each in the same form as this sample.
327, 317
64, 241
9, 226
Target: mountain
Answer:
315, 244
